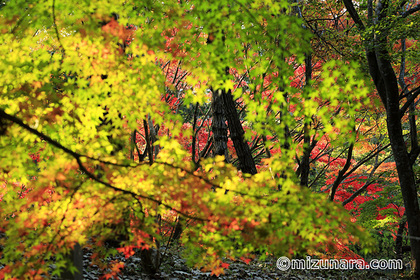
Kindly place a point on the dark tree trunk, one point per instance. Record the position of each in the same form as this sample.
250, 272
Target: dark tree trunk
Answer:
399, 239
307, 147
386, 83
406, 178
401, 156
178, 229
218, 125
150, 261
304, 163
246, 161
76, 256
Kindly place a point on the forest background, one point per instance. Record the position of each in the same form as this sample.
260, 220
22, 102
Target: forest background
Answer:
233, 129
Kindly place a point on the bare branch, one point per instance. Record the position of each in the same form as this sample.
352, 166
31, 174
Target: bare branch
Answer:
341, 173
366, 185
353, 13
367, 158
414, 94
411, 11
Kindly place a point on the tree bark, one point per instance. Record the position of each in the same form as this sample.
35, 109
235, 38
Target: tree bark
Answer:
246, 161
304, 166
76, 256
401, 156
405, 174
383, 75
218, 125
150, 258
399, 239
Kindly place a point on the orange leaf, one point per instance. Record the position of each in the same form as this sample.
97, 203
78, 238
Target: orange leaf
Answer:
60, 177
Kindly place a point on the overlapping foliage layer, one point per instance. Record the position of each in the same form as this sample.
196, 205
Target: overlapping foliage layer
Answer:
77, 84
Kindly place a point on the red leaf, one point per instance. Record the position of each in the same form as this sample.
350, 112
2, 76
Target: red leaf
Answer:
225, 265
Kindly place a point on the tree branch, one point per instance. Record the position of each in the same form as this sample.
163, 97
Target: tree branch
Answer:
353, 13
414, 155
368, 157
414, 94
78, 157
411, 11
341, 173
365, 186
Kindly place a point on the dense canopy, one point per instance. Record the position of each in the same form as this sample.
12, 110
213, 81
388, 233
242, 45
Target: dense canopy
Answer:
232, 129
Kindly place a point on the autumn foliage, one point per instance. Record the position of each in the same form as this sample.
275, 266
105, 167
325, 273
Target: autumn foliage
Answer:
106, 130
